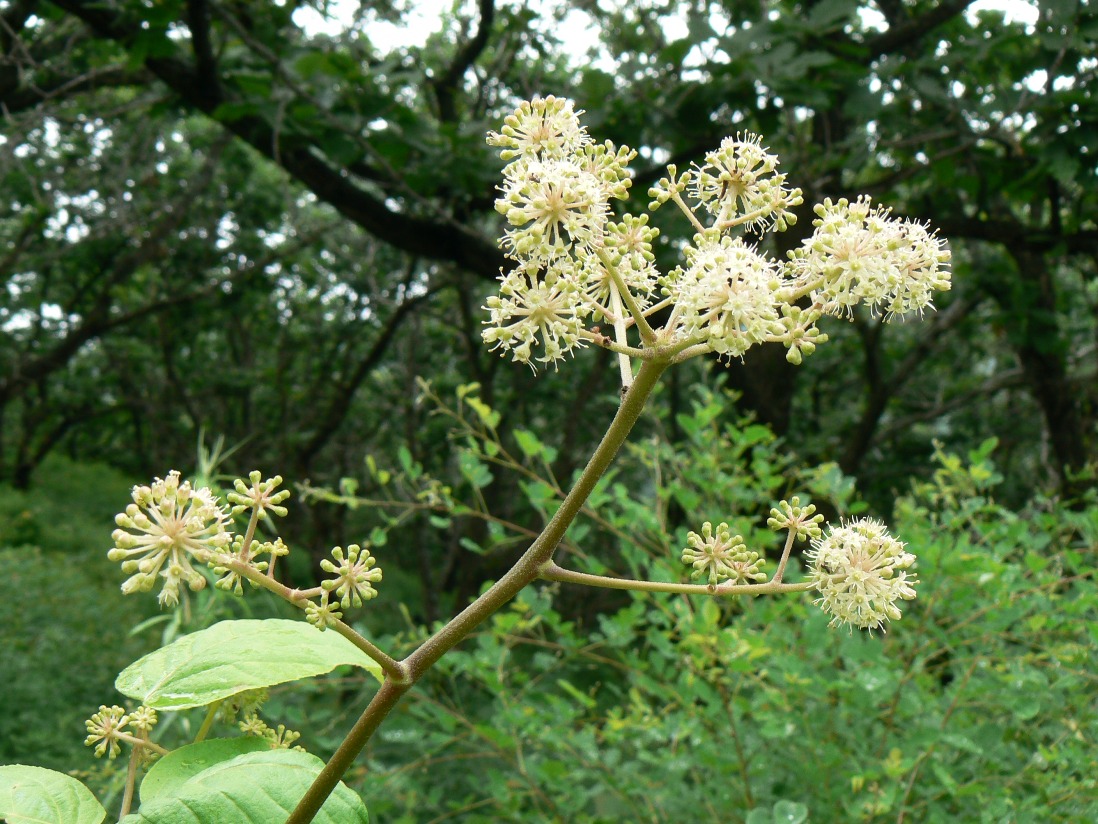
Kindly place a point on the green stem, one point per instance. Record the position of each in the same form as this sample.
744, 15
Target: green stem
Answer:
552, 572
648, 335
138, 742
207, 722
777, 579
131, 783
526, 570
697, 224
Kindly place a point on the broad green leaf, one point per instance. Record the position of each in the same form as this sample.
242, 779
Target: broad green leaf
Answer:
234, 656
254, 788
169, 773
35, 795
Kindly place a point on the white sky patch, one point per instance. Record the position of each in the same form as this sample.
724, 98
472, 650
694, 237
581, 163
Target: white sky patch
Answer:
1014, 11
577, 31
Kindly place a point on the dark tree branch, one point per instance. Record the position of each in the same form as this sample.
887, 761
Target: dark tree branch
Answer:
882, 390
894, 12
198, 21
14, 100
908, 33
433, 239
336, 412
446, 85
13, 21
1016, 234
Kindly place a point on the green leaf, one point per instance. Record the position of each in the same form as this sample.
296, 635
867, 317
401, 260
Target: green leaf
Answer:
529, 444
473, 470
254, 788
790, 812
234, 656
488, 416
169, 773
35, 795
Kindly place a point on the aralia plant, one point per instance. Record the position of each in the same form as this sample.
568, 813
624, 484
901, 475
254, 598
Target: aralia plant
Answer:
583, 275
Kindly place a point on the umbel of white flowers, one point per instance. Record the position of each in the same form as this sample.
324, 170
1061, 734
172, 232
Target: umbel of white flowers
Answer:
577, 264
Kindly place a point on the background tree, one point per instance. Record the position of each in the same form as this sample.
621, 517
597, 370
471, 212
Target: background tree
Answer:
218, 221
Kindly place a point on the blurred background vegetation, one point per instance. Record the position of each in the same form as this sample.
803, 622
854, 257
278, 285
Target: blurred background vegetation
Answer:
265, 223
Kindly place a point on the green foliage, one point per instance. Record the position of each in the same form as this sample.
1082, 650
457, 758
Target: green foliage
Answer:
77, 650
977, 706
253, 788
169, 773
231, 657
33, 795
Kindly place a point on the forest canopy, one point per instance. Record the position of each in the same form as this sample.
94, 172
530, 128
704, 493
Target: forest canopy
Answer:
219, 222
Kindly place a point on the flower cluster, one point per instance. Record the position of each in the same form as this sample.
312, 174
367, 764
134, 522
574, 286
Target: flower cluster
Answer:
727, 296
792, 516
721, 556
861, 573
277, 739
107, 728
168, 525
740, 186
355, 575
104, 730
860, 255
260, 496
244, 553
555, 196
576, 264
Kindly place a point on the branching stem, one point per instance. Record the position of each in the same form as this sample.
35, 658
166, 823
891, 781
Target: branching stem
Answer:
526, 570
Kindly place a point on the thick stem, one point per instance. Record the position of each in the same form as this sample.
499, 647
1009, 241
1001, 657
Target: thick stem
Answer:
131, 782
526, 570
376, 711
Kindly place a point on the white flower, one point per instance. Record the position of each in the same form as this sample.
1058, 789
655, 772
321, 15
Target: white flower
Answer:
545, 127
536, 305
171, 524
629, 249
552, 204
727, 296
739, 185
859, 571
861, 255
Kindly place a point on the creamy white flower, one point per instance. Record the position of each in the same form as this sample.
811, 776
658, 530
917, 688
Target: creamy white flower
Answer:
545, 127
727, 296
739, 185
537, 305
860, 573
552, 204
859, 255
168, 525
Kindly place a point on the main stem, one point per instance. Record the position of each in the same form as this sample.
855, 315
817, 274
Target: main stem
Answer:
525, 570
